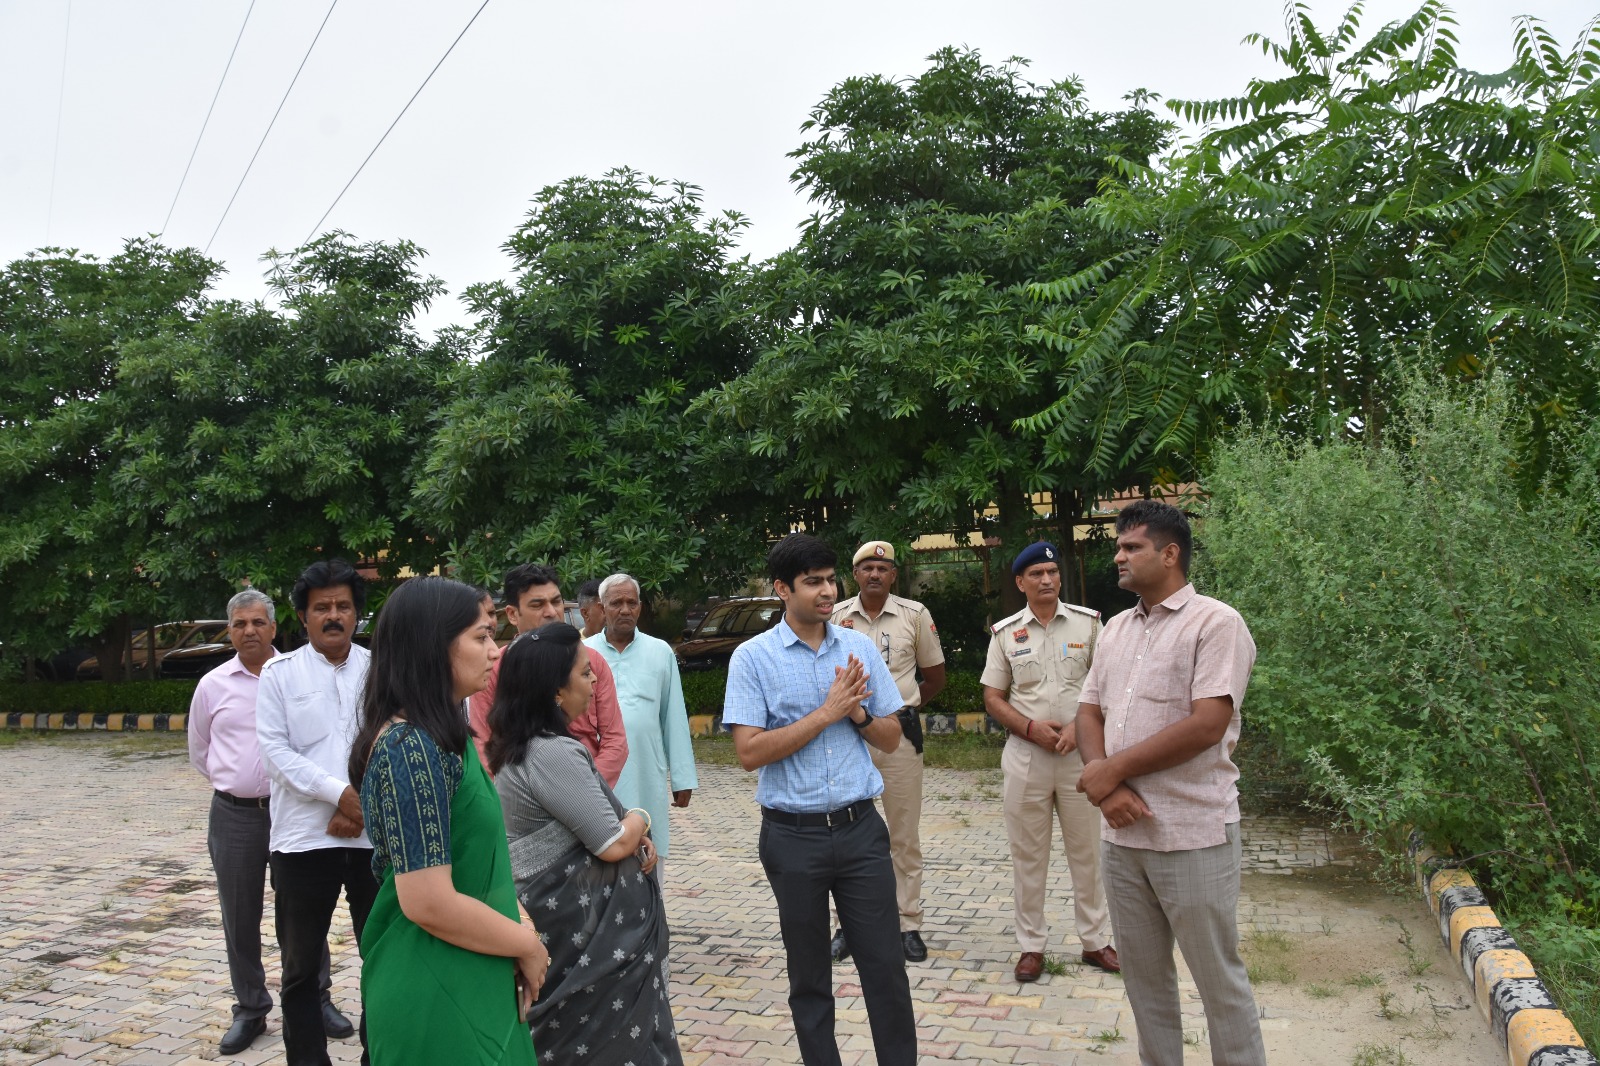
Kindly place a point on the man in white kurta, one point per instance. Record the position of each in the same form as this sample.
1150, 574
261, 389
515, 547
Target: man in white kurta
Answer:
659, 773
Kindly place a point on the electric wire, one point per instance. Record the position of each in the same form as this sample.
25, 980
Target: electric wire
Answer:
193, 151
275, 115
61, 101
396, 122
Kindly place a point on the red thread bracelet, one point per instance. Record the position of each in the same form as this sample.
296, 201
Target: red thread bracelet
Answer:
1028, 733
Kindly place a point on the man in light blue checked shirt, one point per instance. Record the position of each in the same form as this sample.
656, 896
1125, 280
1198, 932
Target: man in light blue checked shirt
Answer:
804, 699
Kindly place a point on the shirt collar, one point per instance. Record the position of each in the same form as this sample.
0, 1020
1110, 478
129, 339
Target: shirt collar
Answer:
790, 637
1029, 616
1175, 602
891, 605
236, 665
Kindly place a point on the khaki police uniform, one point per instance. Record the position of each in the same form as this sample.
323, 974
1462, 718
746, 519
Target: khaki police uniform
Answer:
1041, 669
905, 636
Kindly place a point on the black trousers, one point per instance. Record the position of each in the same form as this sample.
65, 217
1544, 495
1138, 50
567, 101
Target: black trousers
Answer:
237, 838
307, 884
804, 866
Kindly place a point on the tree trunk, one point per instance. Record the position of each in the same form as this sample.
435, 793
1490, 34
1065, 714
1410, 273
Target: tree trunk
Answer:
1014, 536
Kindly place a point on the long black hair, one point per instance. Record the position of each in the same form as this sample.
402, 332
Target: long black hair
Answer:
410, 675
535, 667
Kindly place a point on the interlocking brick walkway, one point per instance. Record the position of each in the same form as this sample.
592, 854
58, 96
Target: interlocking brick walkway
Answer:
110, 946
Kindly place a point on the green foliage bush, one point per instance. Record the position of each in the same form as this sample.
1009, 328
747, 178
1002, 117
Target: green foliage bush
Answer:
97, 697
962, 612
1429, 636
962, 692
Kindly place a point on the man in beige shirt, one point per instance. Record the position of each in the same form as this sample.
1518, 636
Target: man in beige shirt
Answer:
903, 632
1037, 661
1157, 724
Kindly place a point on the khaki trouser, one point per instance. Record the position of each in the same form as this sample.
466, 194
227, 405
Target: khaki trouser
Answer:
902, 811
1041, 788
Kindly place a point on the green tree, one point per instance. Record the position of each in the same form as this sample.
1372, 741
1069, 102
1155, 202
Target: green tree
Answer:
266, 437
1373, 197
888, 404
75, 559
567, 442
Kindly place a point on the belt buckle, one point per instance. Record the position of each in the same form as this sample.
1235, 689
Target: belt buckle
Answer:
846, 815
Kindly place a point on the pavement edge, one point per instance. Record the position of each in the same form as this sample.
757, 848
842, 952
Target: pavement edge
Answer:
84, 721
1521, 1013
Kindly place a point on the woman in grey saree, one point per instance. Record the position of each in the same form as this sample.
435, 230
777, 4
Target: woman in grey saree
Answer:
582, 866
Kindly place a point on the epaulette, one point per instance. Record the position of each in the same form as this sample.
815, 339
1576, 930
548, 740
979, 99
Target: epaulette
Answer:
1091, 612
1007, 620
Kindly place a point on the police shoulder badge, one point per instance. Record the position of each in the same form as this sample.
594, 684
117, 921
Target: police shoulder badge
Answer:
848, 623
1020, 635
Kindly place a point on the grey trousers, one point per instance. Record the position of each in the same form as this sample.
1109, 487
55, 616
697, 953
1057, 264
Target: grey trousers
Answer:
1192, 897
238, 839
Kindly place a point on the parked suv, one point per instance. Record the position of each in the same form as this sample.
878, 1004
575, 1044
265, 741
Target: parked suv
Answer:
170, 636
725, 627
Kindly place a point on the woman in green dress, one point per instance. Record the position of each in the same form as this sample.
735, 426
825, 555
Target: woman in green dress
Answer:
448, 968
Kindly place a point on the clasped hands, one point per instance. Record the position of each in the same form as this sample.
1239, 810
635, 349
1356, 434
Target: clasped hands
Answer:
1119, 804
347, 821
848, 691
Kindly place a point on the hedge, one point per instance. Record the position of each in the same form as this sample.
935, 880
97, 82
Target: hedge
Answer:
98, 697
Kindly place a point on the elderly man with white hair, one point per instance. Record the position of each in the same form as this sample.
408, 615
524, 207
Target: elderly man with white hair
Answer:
223, 747
660, 766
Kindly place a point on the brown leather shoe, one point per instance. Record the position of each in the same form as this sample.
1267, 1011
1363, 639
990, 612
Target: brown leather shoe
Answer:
1029, 966
1104, 959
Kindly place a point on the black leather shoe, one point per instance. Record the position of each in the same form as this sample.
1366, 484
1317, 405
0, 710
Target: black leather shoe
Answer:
241, 1035
839, 948
916, 950
335, 1024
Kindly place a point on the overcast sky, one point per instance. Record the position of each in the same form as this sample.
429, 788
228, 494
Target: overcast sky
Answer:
103, 107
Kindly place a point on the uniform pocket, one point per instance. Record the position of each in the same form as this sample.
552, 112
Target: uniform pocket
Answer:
1075, 666
1026, 673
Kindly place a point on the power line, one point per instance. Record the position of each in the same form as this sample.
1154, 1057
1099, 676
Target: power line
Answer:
396, 122
275, 115
61, 100
210, 109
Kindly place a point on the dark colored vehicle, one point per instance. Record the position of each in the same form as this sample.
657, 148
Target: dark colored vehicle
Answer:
170, 637
726, 626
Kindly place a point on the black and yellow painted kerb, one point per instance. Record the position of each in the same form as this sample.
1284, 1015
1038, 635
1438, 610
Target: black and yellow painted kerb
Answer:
86, 722
1520, 1011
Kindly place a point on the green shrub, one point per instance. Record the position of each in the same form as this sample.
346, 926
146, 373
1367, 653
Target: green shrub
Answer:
703, 690
97, 697
1429, 636
962, 692
962, 613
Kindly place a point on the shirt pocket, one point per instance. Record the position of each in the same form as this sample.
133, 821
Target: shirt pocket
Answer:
1075, 666
308, 719
1026, 673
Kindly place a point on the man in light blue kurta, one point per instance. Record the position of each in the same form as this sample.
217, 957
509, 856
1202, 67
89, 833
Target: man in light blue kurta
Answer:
660, 756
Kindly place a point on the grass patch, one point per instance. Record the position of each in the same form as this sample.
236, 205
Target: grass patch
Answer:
1364, 980
963, 751
1267, 958
1321, 991
1379, 1055
715, 750
1565, 950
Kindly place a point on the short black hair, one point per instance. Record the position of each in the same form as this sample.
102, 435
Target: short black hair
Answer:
327, 574
520, 579
533, 671
796, 554
1167, 525
588, 592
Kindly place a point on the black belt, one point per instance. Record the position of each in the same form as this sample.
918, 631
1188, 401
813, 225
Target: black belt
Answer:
259, 802
832, 820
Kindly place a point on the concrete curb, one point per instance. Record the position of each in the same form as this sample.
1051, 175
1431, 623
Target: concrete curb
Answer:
1520, 1011
86, 722
705, 725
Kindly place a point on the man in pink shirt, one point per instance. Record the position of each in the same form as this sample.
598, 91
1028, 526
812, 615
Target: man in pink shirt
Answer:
1158, 719
223, 747
533, 598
